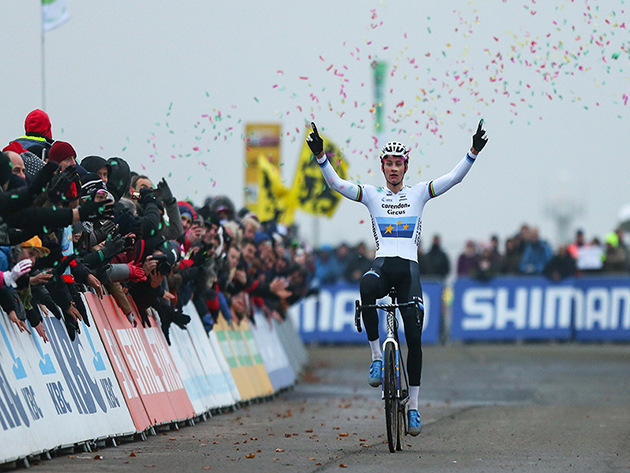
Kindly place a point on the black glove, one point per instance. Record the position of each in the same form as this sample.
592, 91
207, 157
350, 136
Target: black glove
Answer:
113, 247
146, 196
167, 194
42, 178
78, 302
314, 141
479, 139
107, 229
4, 234
190, 273
90, 210
128, 223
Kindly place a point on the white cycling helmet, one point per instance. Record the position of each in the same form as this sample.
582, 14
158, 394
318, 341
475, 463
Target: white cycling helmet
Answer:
397, 149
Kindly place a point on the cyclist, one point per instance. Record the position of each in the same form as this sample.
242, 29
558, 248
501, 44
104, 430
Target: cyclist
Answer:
396, 213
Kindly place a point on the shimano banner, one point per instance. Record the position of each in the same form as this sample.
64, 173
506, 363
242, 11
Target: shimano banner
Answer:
329, 317
530, 308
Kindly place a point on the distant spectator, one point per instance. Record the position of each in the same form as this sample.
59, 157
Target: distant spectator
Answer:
577, 244
324, 267
591, 257
536, 255
561, 265
468, 259
616, 259
486, 267
512, 257
424, 266
622, 244
359, 262
495, 254
438, 259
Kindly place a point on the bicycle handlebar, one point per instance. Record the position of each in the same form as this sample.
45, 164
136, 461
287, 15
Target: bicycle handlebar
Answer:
417, 303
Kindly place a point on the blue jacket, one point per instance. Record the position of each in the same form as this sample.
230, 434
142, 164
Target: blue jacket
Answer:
535, 256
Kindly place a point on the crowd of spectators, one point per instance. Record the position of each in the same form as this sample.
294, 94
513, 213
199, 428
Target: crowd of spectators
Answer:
526, 253
70, 225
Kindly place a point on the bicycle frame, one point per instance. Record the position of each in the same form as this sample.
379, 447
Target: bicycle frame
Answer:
395, 403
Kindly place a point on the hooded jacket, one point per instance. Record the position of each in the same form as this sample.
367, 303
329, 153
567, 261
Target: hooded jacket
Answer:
38, 133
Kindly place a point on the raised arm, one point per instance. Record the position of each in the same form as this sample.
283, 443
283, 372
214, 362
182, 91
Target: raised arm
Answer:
348, 189
442, 184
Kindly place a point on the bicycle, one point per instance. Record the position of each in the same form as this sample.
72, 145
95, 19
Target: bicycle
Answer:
394, 380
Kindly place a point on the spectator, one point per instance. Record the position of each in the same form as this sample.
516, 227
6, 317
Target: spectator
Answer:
358, 263
487, 267
536, 255
616, 259
591, 257
324, 268
468, 260
38, 134
424, 265
97, 165
438, 260
495, 255
561, 265
512, 259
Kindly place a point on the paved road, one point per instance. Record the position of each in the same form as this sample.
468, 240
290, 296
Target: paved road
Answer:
485, 408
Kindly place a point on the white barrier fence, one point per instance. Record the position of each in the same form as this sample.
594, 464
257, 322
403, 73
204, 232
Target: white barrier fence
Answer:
66, 393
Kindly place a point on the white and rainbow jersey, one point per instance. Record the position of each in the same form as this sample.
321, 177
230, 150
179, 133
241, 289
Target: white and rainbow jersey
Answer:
396, 218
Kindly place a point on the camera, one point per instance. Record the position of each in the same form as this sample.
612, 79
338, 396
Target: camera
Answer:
163, 266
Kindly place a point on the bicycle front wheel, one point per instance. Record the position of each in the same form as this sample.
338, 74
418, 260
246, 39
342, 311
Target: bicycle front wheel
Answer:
391, 403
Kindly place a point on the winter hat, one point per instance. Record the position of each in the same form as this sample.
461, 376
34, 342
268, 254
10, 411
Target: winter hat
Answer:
185, 211
6, 170
119, 177
61, 150
14, 146
94, 163
38, 122
91, 183
36, 243
32, 164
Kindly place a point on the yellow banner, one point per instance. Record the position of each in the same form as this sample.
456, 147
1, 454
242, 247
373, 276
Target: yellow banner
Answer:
310, 191
274, 199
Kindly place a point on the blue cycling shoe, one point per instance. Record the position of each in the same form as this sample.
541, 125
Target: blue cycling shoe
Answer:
375, 373
414, 426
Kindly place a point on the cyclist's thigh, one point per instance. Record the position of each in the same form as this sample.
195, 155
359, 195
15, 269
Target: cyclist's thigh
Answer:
375, 283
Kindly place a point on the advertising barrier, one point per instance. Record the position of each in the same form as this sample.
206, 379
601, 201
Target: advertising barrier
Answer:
272, 353
148, 361
118, 379
531, 308
58, 393
329, 316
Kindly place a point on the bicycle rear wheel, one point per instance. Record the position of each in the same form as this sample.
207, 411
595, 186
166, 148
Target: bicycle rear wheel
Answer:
391, 403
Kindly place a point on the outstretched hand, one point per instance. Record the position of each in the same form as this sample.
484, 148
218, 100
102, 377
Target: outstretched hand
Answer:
480, 138
315, 142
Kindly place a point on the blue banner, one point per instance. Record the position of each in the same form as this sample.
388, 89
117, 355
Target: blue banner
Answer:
531, 308
329, 316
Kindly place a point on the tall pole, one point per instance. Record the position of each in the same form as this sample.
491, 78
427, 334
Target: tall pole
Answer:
43, 70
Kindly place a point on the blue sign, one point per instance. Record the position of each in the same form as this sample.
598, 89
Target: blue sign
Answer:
329, 317
530, 308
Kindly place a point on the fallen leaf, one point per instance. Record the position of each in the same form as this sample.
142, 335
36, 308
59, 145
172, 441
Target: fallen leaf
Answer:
251, 455
149, 466
287, 435
343, 434
172, 438
279, 450
98, 457
341, 465
308, 431
362, 440
206, 468
311, 458
132, 454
